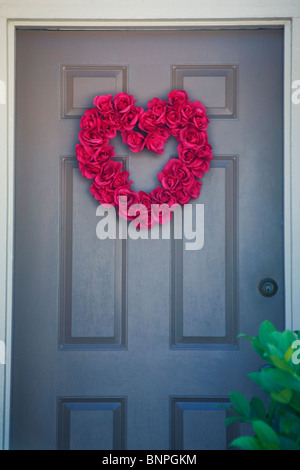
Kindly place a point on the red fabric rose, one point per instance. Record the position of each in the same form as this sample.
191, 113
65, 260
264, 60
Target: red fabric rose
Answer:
177, 97
196, 159
158, 108
145, 202
162, 201
194, 190
147, 121
90, 120
173, 118
134, 140
109, 171
124, 198
82, 155
89, 170
122, 102
92, 140
199, 118
175, 174
192, 137
103, 154
114, 119
103, 103
103, 195
130, 118
186, 110
182, 195
156, 142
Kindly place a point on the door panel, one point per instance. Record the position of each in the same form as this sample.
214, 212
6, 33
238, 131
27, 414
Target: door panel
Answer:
130, 344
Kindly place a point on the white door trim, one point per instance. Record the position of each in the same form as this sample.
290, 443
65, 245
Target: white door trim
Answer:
70, 11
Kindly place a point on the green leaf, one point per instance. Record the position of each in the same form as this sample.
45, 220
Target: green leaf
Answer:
295, 402
259, 349
242, 335
258, 409
265, 330
287, 444
284, 396
274, 351
282, 378
246, 443
232, 419
264, 381
240, 403
266, 435
290, 426
288, 354
281, 364
275, 338
286, 340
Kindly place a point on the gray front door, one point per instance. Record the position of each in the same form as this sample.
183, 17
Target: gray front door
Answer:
131, 344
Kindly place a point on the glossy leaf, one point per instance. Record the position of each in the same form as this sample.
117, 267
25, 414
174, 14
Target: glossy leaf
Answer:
265, 330
284, 396
246, 443
258, 409
266, 435
240, 403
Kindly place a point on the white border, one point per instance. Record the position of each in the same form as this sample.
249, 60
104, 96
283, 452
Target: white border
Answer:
64, 14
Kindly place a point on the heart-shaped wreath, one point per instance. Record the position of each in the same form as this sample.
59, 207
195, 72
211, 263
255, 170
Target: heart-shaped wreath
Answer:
177, 116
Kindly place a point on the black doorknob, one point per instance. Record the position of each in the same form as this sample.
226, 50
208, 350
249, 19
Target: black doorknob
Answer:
268, 287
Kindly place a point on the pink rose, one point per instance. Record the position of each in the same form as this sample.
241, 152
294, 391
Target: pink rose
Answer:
91, 140
192, 137
134, 140
182, 195
160, 195
145, 202
109, 171
124, 198
155, 143
89, 170
103, 195
199, 107
120, 181
196, 159
147, 121
195, 189
103, 154
158, 108
175, 174
82, 155
130, 118
199, 118
108, 129
168, 180
186, 110
173, 118
103, 103
114, 119
163, 201
177, 97
122, 102
91, 120
90, 164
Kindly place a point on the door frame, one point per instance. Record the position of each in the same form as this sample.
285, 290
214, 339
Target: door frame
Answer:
34, 14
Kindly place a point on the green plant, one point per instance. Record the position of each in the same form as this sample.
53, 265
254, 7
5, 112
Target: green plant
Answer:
278, 426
